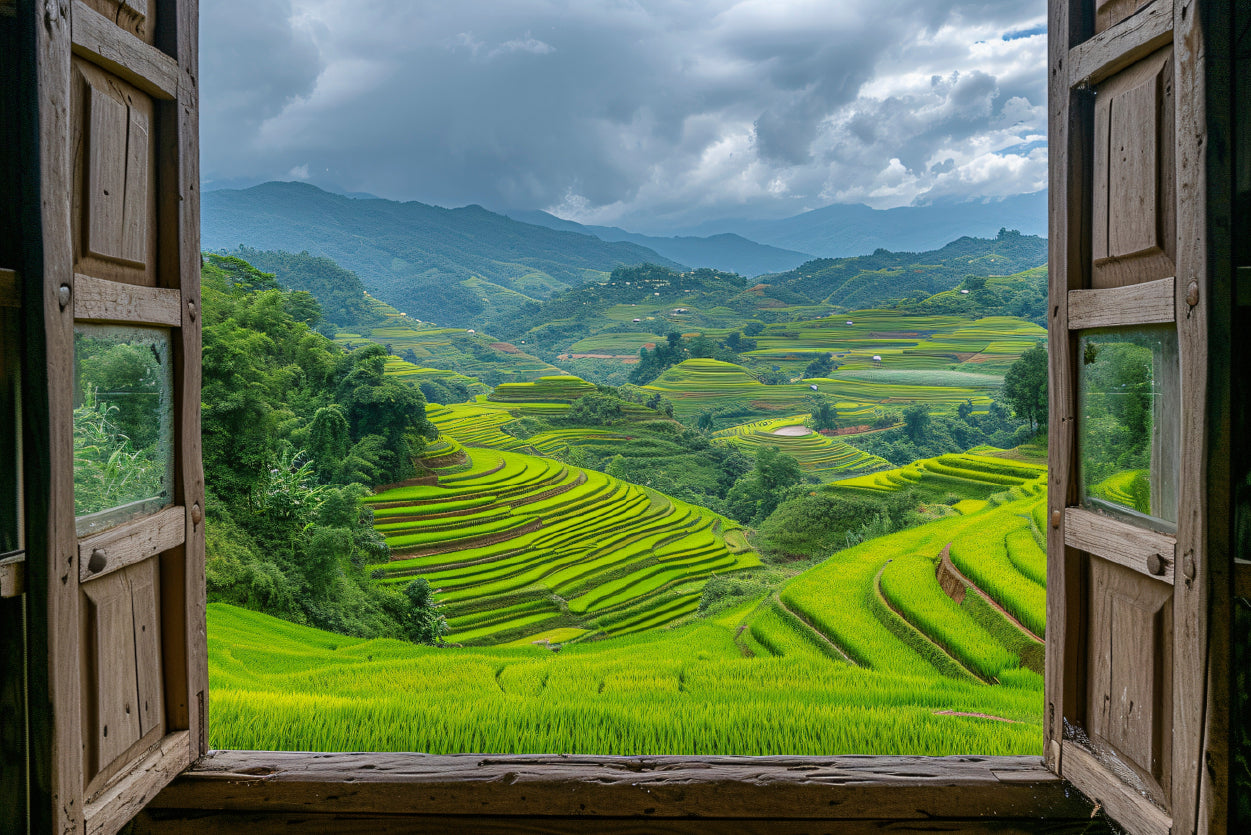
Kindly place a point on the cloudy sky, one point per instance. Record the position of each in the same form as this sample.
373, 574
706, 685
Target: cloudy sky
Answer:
649, 114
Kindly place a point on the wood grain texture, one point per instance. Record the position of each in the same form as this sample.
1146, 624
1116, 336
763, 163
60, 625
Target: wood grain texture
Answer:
1108, 13
101, 41
112, 686
118, 804
183, 582
10, 290
1134, 183
135, 17
1193, 592
1069, 132
1130, 810
1117, 47
846, 788
101, 300
57, 772
1149, 303
1119, 542
114, 197
1129, 703
133, 542
191, 822
13, 576
1134, 176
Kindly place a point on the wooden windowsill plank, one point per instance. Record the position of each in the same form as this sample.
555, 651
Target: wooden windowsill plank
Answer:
1121, 45
96, 38
850, 787
1149, 303
100, 300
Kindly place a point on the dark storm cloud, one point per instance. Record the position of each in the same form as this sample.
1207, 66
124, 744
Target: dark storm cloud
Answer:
641, 112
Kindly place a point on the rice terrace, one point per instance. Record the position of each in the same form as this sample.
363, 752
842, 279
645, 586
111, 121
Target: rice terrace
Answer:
621, 569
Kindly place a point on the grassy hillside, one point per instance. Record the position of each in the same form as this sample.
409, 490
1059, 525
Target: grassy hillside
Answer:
867, 280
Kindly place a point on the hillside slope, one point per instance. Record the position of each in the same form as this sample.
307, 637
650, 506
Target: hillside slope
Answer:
412, 255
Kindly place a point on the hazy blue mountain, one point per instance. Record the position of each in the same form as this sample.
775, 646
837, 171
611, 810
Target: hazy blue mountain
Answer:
725, 251
843, 230
437, 264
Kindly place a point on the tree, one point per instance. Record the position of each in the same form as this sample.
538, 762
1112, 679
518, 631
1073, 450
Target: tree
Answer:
754, 328
1025, 386
820, 367
824, 415
425, 624
965, 410
916, 422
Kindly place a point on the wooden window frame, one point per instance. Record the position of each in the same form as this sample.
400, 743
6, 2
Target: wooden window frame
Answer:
417, 792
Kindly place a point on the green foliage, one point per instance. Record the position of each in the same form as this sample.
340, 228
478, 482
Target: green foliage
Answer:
757, 494
870, 280
1025, 387
812, 525
338, 292
820, 367
108, 470
292, 426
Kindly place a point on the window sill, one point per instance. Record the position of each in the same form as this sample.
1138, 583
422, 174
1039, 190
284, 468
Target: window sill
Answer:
332, 791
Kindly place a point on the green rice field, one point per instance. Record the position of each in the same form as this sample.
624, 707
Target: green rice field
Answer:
863, 653
824, 457
519, 544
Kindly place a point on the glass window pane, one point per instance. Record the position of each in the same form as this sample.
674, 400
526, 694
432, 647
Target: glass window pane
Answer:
1129, 422
123, 424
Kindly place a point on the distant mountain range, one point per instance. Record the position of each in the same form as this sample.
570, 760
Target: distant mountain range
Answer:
459, 266
726, 251
442, 265
843, 230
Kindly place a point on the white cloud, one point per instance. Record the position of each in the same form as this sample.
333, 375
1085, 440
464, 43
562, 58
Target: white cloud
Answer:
647, 113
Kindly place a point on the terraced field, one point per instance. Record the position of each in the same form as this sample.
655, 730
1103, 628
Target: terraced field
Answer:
520, 544
414, 374
921, 642
967, 476
824, 457
699, 384
902, 341
475, 355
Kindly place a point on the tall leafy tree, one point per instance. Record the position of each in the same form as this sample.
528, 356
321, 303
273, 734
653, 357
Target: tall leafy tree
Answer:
1025, 386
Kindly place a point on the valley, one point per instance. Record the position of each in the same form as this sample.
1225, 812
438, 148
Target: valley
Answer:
810, 534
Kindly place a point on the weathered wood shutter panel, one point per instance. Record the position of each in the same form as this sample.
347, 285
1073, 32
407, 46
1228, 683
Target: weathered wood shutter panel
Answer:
1129, 588
117, 593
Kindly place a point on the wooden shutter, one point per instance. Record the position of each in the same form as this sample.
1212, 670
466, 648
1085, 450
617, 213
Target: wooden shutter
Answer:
1130, 594
117, 636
